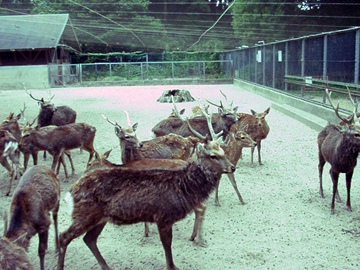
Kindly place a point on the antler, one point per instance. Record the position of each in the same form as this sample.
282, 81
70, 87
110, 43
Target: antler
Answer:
355, 104
127, 118
197, 134
48, 91
113, 123
349, 120
38, 100
214, 136
230, 105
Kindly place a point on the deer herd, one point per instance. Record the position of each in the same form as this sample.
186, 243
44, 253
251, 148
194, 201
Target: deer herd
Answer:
159, 181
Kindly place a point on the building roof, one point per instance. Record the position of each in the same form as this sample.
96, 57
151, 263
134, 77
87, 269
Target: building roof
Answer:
29, 32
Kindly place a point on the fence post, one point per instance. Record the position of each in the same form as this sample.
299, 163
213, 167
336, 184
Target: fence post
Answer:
110, 67
286, 63
274, 65
357, 55
302, 64
325, 64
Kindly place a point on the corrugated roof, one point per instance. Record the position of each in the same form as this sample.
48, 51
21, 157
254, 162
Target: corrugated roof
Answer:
24, 32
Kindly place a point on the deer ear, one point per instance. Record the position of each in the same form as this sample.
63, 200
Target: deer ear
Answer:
117, 131
253, 112
267, 111
106, 155
134, 127
37, 127
235, 109
182, 111
18, 116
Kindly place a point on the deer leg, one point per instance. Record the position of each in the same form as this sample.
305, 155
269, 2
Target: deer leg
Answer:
321, 167
216, 193
43, 239
335, 178
348, 187
232, 180
68, 153
62, 161
258, 143
147, 229
5, 163
199, 218
55, 218
56, 158
252, 156
165, 232
90, 239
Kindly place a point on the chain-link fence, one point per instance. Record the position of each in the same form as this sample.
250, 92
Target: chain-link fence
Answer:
144, 72
305, 66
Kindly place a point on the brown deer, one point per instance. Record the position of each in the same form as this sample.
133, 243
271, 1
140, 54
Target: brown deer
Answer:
233, 146
197, 110
340, 146
53, 115
256, 126
221, 121
162, 191
13, 257
58, 140
9, 148
37, 194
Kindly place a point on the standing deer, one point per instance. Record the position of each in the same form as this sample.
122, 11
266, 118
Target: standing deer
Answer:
233, 146
51, 115
9, 148
161, 191
59, 139
36, 195
340, 146
256, 126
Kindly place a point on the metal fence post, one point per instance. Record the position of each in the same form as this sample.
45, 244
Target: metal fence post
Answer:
325, 63
357, 57
302, 64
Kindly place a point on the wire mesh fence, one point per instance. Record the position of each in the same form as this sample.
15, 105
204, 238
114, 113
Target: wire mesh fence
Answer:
132, 72
305, 66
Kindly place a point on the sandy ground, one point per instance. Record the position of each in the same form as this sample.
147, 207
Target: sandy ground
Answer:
283, 225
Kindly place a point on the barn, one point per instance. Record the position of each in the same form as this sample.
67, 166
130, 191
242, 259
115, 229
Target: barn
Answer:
30, 44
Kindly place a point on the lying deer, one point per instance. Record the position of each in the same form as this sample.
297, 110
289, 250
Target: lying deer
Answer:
37, 194
256, 126
340, 146
161, 191
60, 139
221, 121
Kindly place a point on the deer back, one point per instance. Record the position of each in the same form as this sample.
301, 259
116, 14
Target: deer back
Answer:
63, 115
37, 193
13, 256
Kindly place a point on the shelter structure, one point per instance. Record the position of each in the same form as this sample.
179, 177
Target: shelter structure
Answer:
36, 39
30, 45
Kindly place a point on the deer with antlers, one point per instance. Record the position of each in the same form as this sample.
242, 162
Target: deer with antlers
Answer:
340, 146
221, 121
162, 191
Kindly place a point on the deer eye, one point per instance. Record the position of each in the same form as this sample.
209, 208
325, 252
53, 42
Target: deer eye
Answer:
213, 157
243, 138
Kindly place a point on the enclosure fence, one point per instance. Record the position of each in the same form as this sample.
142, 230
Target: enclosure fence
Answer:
303, 66
130, 72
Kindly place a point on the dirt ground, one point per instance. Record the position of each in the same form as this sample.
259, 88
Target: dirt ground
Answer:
283, 225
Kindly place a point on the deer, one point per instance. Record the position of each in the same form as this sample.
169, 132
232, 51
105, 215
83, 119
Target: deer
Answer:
161, 191
13, 257
256, 126
232, 147
53, 115
197, 110
339, 146
222, 120
58, 140
37, 194
9, 148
